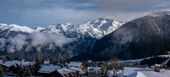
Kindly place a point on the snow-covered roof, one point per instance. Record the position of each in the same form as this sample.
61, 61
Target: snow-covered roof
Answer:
64, 71
16, 62
11, 63
93, 69
110, 73
157, 65
77, 69
74, 64
26, 63
46, 62
48, 69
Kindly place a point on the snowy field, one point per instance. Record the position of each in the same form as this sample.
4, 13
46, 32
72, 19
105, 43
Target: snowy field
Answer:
144, 72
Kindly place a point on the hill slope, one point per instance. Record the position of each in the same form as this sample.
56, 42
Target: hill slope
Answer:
142, 37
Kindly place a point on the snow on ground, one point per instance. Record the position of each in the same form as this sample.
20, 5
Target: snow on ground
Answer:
144, 72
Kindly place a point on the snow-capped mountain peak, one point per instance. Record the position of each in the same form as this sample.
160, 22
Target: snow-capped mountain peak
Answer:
17, 28
98, 28
59, 28
95, 29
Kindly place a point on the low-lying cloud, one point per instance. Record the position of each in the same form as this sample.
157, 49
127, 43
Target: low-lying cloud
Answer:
38, 39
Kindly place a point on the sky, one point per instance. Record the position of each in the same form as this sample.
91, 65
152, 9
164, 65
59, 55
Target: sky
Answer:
44, 12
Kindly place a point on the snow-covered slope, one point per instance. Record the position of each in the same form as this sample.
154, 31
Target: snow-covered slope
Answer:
16, 28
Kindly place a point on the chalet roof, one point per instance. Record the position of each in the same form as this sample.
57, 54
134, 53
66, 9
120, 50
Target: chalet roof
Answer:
11, 63
93, 68
47, 69
64, 71
46, 62
70, 70
74, 64
26, 63
77, 69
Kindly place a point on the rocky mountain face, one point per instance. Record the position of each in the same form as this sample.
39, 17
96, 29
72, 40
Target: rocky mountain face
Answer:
142, 37
63, 40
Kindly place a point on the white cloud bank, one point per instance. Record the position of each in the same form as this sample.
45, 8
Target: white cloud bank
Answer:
36, 39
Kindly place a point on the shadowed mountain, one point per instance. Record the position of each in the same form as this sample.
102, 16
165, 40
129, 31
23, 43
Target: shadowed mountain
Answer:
142, 37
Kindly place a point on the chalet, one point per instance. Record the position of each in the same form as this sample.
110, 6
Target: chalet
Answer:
114, 73
93, 69
8, 64
11, 66
158, 67
46, 62
71, 72
74, 69
76, 64
16, 63
49, 71
65, 72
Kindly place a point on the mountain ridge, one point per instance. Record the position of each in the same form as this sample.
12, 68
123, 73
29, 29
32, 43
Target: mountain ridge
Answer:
141, 37
54, 39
